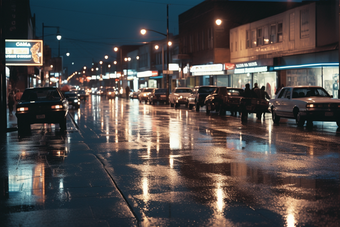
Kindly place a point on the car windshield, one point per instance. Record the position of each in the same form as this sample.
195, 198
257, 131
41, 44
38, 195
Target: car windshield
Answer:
70, 94
160, 91
206, 89
110, 89
309, 92
148, 90
237, 92
183, 91
40, 94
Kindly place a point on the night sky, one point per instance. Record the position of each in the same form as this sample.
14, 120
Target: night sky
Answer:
90, 29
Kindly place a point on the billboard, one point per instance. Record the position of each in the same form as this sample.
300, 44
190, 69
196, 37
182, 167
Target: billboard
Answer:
21, 52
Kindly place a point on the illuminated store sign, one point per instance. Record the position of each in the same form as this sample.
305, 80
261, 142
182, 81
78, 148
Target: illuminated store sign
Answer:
251, 70
201, 70
147, 74
24, 52
246, 65
173, 67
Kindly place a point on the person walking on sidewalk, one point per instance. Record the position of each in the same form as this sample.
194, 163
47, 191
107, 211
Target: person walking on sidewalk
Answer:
127, 91
11, 102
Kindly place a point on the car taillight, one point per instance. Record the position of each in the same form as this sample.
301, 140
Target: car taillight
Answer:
22, 109
57, 107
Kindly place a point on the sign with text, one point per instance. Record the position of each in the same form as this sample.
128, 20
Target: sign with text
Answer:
24, 52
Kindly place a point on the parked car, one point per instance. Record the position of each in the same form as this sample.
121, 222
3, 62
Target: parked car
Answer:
110, 93
179, 96
41, 105
305, 103
143, 96
224, 99
73, 99
134, 95
157, 95
198, 95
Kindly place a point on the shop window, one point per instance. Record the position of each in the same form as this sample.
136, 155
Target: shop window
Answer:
279, 33
259, 37
273, 33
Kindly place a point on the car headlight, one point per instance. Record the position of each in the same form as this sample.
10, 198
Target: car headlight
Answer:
57, 107
22, 109
311, 105
75, 100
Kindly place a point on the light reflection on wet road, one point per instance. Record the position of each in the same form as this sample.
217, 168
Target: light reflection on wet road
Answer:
179, 167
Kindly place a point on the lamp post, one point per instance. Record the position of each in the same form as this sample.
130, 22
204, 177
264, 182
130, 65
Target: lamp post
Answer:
58, 36
144, 31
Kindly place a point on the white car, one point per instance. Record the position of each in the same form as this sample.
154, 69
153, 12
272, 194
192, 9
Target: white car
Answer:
179, 96
305, 103
144, 94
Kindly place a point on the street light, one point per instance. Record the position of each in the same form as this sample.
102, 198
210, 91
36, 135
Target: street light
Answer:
58, 36
144, 31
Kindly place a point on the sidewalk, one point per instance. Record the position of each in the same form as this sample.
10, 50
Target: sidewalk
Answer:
49, 179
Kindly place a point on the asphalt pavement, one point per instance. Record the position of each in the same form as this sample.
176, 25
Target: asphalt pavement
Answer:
34, 170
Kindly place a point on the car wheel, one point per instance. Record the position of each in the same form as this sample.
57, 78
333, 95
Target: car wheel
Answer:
176, 105
309, 124
171, 104
62, 124
197, 107
338, 123
300, 120
190, 106
259, 115
276, 119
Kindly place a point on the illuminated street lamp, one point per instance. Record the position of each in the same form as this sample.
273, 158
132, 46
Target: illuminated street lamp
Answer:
144, 31
218, 22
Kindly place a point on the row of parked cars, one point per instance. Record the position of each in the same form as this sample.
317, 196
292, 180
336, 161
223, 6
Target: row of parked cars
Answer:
302, 103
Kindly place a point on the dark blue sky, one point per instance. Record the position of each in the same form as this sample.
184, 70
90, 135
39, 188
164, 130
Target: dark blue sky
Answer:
91, 29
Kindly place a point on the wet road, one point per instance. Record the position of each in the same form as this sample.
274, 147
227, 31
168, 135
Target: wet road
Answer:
177, 167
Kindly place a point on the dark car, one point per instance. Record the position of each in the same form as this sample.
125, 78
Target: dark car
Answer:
82, 95
158, 95
198, 96
224, 99
41, 105
72, 98
110, 93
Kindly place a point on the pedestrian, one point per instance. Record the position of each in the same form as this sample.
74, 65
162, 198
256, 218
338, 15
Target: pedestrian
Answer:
264, 93
247, 91
127, 91
18, 95
256, 91
11, 102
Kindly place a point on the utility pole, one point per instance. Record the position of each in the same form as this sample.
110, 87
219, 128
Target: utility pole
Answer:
3, 93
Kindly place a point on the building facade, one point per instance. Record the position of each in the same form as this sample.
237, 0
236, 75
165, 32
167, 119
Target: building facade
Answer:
296, 47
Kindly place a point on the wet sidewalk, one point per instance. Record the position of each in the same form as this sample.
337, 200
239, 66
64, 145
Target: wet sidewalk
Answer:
49, 178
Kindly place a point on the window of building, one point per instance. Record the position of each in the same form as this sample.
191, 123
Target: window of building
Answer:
273, 33
279, 32
259, 37
253, 39
235, 46
247, 39
210, 39
191, 44
291, 26
265, 35
203, 40
304, 32
231, 47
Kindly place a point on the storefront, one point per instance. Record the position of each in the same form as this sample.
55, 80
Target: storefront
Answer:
148, 79
255, 72
214, 74
320, 69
